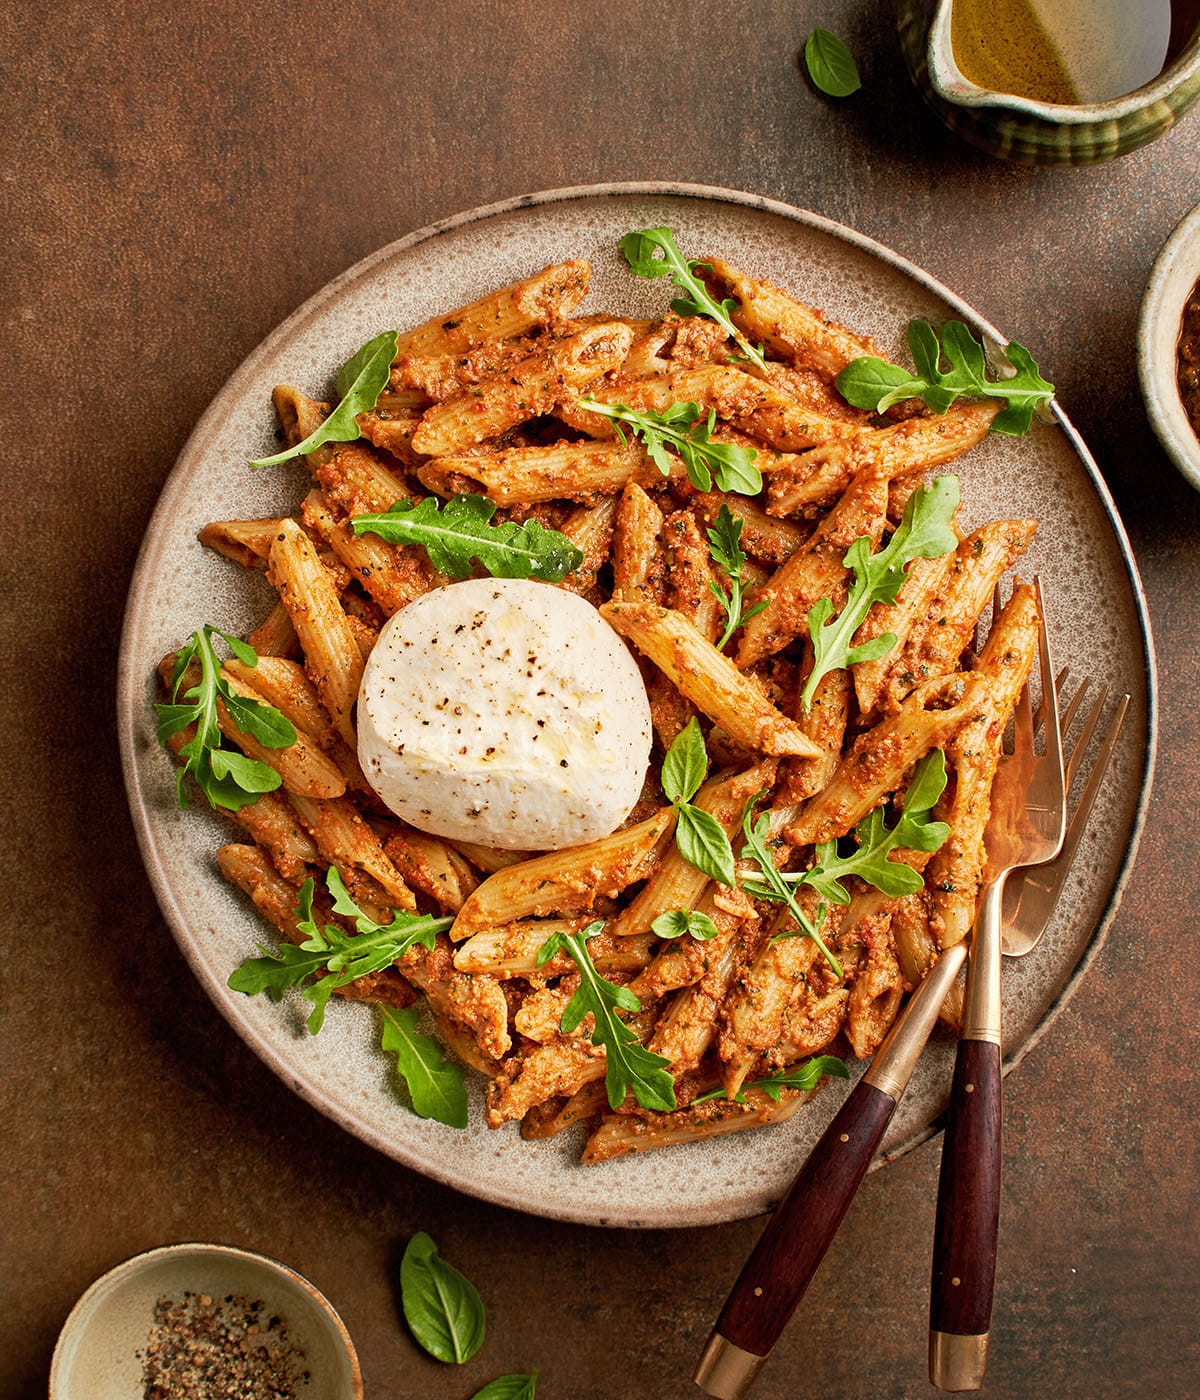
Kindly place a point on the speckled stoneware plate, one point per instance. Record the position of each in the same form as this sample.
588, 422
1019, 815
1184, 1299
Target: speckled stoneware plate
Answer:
1096, 610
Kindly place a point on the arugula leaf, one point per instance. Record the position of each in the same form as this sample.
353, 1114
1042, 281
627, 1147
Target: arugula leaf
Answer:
679, 426
914, 831
926, 531
435, 1084
876, 384
700, 837
518, 1386
830, 64
642, 248
628, 1064
462, 532
226, 777
360, 381
441, 1306
676, 922
773, 885
806, 1075
329, 950
725, 547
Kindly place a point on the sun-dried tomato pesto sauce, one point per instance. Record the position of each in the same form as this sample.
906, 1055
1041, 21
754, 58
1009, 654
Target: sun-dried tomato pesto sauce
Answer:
1189, 359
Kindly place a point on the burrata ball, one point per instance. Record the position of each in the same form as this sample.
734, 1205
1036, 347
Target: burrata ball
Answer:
505, 712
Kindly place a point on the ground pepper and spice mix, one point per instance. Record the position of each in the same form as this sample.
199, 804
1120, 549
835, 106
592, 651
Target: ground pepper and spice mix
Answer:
1189, 359
205, 1348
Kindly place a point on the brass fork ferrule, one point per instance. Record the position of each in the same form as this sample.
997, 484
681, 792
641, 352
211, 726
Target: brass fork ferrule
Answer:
983, 1017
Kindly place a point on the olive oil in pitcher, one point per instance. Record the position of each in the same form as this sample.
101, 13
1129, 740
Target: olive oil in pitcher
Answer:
1069, 51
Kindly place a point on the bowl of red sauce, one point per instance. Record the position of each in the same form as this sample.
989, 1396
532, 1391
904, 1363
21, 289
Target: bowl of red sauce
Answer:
1168, 347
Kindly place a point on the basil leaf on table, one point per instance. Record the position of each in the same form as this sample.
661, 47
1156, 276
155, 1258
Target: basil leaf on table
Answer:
517, 1386
441, 1306
830, 64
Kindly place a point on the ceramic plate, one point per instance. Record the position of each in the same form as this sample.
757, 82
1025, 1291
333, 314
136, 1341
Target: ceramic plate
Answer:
1096, 612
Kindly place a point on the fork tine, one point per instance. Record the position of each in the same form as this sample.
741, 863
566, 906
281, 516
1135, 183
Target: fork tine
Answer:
1068, 718
1079, 817
1053, 725
1085, 734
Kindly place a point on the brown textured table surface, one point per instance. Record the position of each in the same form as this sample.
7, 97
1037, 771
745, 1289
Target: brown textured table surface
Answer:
176, 180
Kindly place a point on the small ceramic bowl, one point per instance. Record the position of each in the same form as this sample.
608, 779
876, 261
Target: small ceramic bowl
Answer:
1039, 133
100, 1350
1175, 273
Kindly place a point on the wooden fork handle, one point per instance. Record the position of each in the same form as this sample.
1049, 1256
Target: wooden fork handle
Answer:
968, 1217
791, 1248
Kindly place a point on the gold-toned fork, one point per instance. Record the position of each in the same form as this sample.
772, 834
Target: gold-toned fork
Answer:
1027, 829
957, 1361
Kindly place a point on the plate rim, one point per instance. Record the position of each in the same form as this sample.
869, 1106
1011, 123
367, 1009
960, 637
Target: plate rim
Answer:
130, 678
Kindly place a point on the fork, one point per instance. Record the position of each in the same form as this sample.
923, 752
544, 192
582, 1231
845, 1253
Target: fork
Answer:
1029, 833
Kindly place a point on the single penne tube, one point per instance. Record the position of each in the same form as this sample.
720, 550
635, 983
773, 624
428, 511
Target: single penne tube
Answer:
878, 760
620, 1133
391, 429
785, 326
512, 950
392, 575
810, 1023
302, 767
573, 471
590, 529
343, 838
815, 571
924, 580
825, 724
560, 1067
690, 575
875, 991
550, 1118
546, 297
358, 482
476, 1004
766, 538
275, 635
437, 377
566, 882
817, 477
284, 684
432, 866
332, 656
937, 641
709, 679
955, 872
525, 390
490, 858
639, 567
246, 542
676, 883
272, 823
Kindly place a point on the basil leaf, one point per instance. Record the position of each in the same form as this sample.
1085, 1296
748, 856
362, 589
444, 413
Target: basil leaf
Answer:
360, 382
702, 842
686, 764
875, 384
441, 1306
513, 1387
830, 64
676, 922
436, 1085
461, 532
